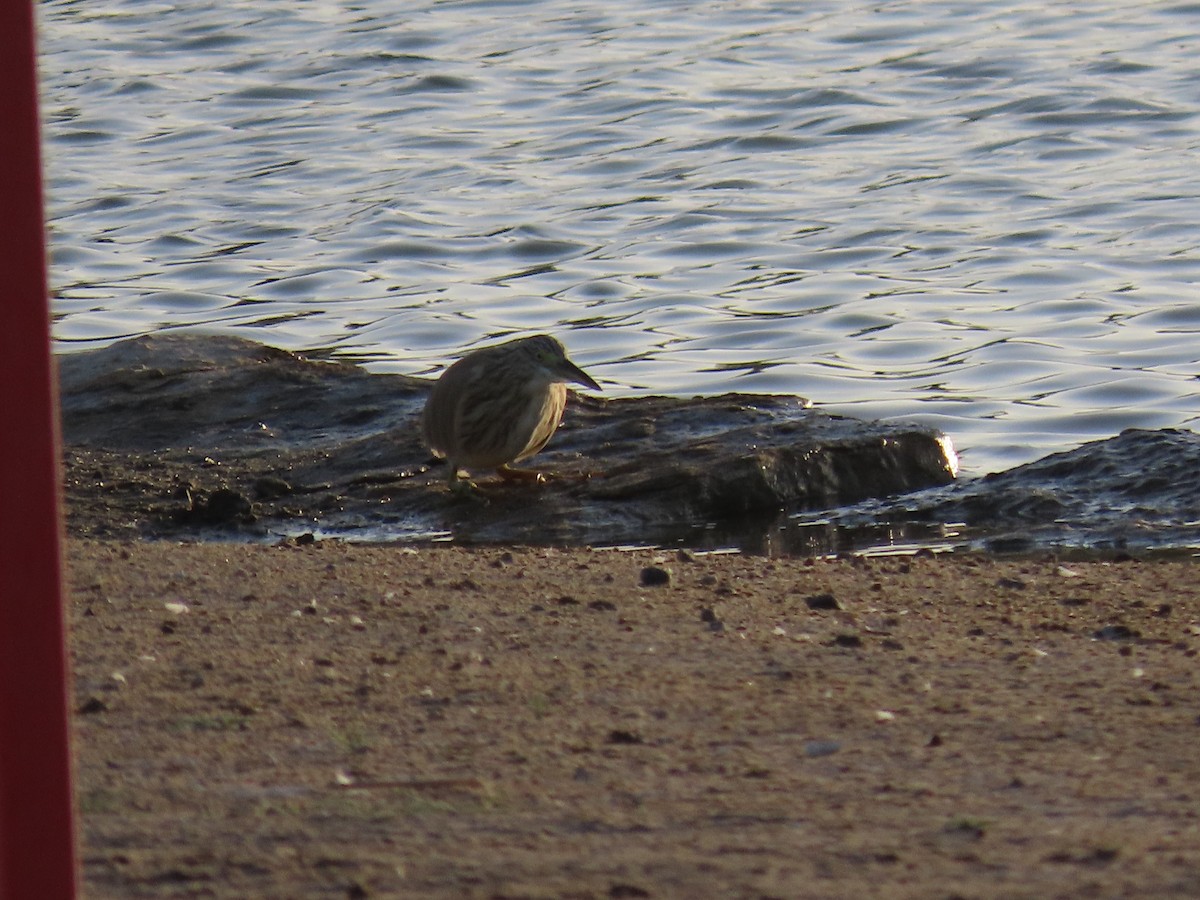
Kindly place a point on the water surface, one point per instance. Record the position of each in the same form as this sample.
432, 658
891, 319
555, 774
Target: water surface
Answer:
977, 216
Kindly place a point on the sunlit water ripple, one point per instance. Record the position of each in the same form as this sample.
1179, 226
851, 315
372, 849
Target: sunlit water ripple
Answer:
976, 216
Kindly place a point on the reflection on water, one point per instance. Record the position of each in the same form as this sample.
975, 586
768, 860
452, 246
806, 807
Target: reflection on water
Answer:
977, 216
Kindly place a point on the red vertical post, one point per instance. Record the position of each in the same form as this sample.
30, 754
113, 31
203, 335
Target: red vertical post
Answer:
37, 835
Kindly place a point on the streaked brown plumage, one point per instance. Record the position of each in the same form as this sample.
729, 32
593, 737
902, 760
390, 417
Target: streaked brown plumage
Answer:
500, 404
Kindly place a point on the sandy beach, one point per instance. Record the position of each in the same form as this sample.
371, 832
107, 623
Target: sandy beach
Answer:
331, 720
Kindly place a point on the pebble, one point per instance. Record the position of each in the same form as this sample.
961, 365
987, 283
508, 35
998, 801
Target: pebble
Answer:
655, 576
822, 601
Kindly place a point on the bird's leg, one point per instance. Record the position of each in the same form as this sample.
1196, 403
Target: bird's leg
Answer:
526, 475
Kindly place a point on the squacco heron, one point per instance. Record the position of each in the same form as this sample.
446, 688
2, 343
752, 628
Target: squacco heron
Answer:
500, 405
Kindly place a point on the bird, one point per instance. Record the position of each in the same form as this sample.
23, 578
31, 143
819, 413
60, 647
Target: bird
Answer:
500, 405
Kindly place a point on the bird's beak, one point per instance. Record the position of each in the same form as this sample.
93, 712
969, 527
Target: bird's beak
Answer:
576, 375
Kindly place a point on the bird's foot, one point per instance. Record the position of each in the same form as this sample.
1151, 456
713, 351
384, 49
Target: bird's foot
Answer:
526, 476
465, 489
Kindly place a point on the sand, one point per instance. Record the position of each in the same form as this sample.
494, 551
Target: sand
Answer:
328, 720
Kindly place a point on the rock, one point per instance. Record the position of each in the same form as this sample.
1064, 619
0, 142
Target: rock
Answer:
822, 601
623, 736
654, 576
1136, 490
223, 506
92, 705
817, 749
327, 443
1115, 633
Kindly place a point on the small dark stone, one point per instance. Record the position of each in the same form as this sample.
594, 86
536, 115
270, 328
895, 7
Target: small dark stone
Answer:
621, 736
1163, 610
92, 705
655, 576
565, 600
969, 828
303, 540
1115, 633
707, 615
847, 640
1013, 584
167, 628
603, 606
815, 749
822, 601
627, 890
685, 556
716, 625
934, 741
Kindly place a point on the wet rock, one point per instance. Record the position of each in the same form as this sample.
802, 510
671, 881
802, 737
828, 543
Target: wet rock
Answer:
270, 487
1136, 490
329, 443
223, 506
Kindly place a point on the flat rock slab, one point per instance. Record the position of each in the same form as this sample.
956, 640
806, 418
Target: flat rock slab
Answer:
182, 434
1135, 491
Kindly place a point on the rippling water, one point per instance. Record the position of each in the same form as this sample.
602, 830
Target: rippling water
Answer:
981, 216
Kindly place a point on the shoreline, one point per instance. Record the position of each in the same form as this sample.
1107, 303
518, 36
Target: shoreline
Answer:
511, 721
